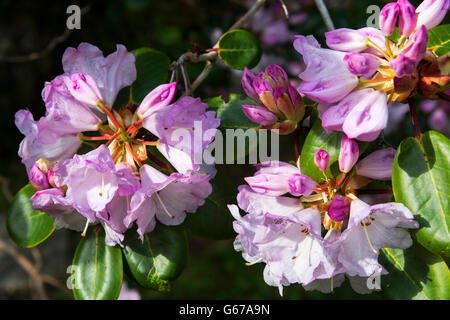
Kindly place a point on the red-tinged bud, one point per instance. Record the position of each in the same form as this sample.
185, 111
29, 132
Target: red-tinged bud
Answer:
408, 18
434, 77
38, 179
388, 18
339, 208
321, 158
277, 74
348, 154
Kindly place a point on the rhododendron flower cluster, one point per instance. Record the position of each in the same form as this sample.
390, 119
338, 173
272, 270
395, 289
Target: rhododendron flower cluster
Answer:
315, 232
119, 182
364, 69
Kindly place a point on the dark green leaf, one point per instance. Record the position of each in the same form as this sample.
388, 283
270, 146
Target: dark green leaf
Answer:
415, 273
230, 114
97, 271
239, 49
159, 259
439, 39
26, 226
152, 69
421, 181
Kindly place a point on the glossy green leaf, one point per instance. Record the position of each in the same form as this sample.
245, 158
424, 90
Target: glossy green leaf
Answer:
97, 270
414, 273
439, 39
421, 181
152, 69
157, 260
239, 49
26, 226
230, 113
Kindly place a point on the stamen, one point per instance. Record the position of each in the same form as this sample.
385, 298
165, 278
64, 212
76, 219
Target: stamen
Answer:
103, 186
302, 248
332, 289
368, 239
324, 197
85, 228
254, 262
373, 45
164, 207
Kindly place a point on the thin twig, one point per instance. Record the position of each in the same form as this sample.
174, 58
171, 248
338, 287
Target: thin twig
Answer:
325, 14
211, 56
49, 48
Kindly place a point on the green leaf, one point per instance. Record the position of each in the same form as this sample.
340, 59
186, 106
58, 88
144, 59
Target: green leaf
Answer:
316, 139
213, 220
239, 49
97, 270
230, 114
152, 69
421, 181
26, 226
439, 39
414, 273
159, 259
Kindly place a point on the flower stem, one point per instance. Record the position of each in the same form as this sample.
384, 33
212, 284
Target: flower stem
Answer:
414, 119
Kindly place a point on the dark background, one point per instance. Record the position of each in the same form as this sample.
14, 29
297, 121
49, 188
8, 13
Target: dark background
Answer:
214, 269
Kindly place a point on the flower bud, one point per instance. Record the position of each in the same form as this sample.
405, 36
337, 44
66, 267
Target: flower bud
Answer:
434, 77
259, 115
301, 185
388, 18
38, 179
403, 66
432, 12
361, 64
264, 91
348, 154
339, 208
377, 165
247, 84
408, 18
277, 74
84, 88
321, 158
346, 40
158, 98
268, 184
284, 103
417, 44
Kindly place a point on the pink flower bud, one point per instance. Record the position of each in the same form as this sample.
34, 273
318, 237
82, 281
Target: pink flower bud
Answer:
377, 165
408, 18
361, 64
388, 18
402, 65
348, 154
247, 84
278, 74
84, 88
339, 208
38, 179
432, 12
259, 115
260, 85
268, 184
346, 40
321, 158
158, 98
417, 44
301, 185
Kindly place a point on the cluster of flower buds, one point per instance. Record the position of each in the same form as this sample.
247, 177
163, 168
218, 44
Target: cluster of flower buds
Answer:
364, 70
119, 182
321, 231
280, 105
